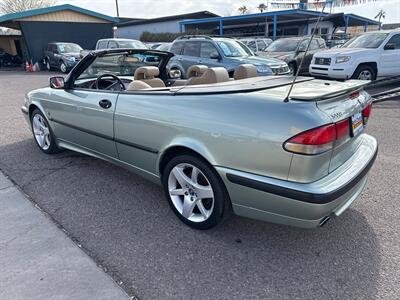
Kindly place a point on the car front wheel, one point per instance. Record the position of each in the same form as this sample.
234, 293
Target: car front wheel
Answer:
364, 72
42, 133
63, 67
194, 191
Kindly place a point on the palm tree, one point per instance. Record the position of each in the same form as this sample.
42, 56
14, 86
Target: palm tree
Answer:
262, 7
380, 15
243, 9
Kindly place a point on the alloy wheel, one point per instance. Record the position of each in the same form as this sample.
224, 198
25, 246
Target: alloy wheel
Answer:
41, 132
191, 192
63, 68
365, 75
48, 66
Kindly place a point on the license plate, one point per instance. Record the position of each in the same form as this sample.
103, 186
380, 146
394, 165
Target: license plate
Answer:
357, 125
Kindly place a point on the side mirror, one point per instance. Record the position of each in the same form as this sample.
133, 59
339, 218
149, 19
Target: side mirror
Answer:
215, 55
390, 46
175, 74
57, 82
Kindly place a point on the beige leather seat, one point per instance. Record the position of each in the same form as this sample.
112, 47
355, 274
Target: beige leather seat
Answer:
146, 75
210, 76
138, 85
245, 71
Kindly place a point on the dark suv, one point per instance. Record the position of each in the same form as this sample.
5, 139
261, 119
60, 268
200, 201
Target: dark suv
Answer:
291, 50
62, 56
220, 52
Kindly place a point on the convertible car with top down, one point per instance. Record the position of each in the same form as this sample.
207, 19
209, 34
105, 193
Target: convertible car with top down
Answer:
216, 144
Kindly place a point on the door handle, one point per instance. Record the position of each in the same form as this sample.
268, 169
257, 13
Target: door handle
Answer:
105, 103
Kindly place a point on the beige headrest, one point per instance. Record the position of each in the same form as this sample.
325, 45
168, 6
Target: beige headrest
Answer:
245, 71
196, 70
215, 75
146, 73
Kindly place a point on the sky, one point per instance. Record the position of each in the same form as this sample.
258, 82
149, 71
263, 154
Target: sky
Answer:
159, 8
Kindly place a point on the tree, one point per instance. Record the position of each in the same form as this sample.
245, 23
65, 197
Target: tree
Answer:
12, 6
243, 9
262, 7
380, 15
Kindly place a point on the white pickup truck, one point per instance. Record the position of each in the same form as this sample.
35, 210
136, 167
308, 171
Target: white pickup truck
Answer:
368, 56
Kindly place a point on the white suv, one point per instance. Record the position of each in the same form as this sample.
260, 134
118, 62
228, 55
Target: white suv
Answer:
368, 56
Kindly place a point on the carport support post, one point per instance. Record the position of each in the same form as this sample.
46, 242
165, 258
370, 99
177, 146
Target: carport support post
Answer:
221, 27
181, 27
346, 24
274, 32
365, 26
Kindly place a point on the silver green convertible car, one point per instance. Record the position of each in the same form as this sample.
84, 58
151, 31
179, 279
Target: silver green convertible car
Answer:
216, 144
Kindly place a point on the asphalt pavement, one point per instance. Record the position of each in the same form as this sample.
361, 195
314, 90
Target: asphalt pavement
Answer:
124, 223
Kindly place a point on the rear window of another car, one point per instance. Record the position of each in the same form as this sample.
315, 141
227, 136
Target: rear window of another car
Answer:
102, 45
191, 49
176, 48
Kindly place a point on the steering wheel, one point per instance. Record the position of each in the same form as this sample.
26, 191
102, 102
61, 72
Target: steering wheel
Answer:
112, 76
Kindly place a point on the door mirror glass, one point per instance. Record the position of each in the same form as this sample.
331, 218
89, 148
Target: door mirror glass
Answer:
390, 46
57, 82
175, 74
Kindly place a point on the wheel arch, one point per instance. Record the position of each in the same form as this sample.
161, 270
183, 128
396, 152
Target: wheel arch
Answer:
372, 64
183, 147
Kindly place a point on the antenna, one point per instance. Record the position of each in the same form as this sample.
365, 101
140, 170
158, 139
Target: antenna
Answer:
305, 53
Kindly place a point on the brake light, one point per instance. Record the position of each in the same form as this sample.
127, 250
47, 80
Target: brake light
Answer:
318, 140
354, 95
367, 112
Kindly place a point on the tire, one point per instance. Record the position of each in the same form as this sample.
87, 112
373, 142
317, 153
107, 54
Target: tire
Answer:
364, 72
48, 66
63, 67
42, 133
292, 68
185, 195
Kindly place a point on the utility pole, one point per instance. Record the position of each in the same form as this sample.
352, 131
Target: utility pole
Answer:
116, 4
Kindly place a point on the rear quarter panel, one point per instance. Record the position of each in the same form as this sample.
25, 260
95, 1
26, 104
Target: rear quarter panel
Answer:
242, 131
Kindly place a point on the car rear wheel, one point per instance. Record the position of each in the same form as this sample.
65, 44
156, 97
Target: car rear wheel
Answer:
63, 67
194, 191
48, 66
364, 72
292, 68
42, 133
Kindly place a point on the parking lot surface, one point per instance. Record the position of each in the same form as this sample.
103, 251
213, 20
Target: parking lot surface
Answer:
124, 223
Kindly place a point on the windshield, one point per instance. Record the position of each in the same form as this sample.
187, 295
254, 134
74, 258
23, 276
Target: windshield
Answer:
234, 49
132, 44
283, 45
370, 40
68, 48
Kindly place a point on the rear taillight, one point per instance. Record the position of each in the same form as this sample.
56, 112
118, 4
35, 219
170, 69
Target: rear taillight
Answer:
318, 140
367, 112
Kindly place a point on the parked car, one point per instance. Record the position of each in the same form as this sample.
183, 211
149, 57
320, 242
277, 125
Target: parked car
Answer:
220, 52
119, 43
291, 50
257, 44
240, 144
8, 60
62, 56
367, 56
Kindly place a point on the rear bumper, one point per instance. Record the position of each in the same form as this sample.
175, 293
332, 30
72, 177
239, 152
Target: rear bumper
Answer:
301, 204
336, 71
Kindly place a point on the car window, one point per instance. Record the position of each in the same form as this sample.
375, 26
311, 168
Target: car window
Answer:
283, 45
261, 45
112, 45
322, 43
120, 64
207, 50
191, 49
54, 48
395, 40
176, 48
368, 40
303, 45
131, 44
314, 45
232, 48
102, 45
252, 45
69, 48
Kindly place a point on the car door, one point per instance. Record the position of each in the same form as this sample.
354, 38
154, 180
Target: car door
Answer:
191, 54
390, 58
209, 55
84, 118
